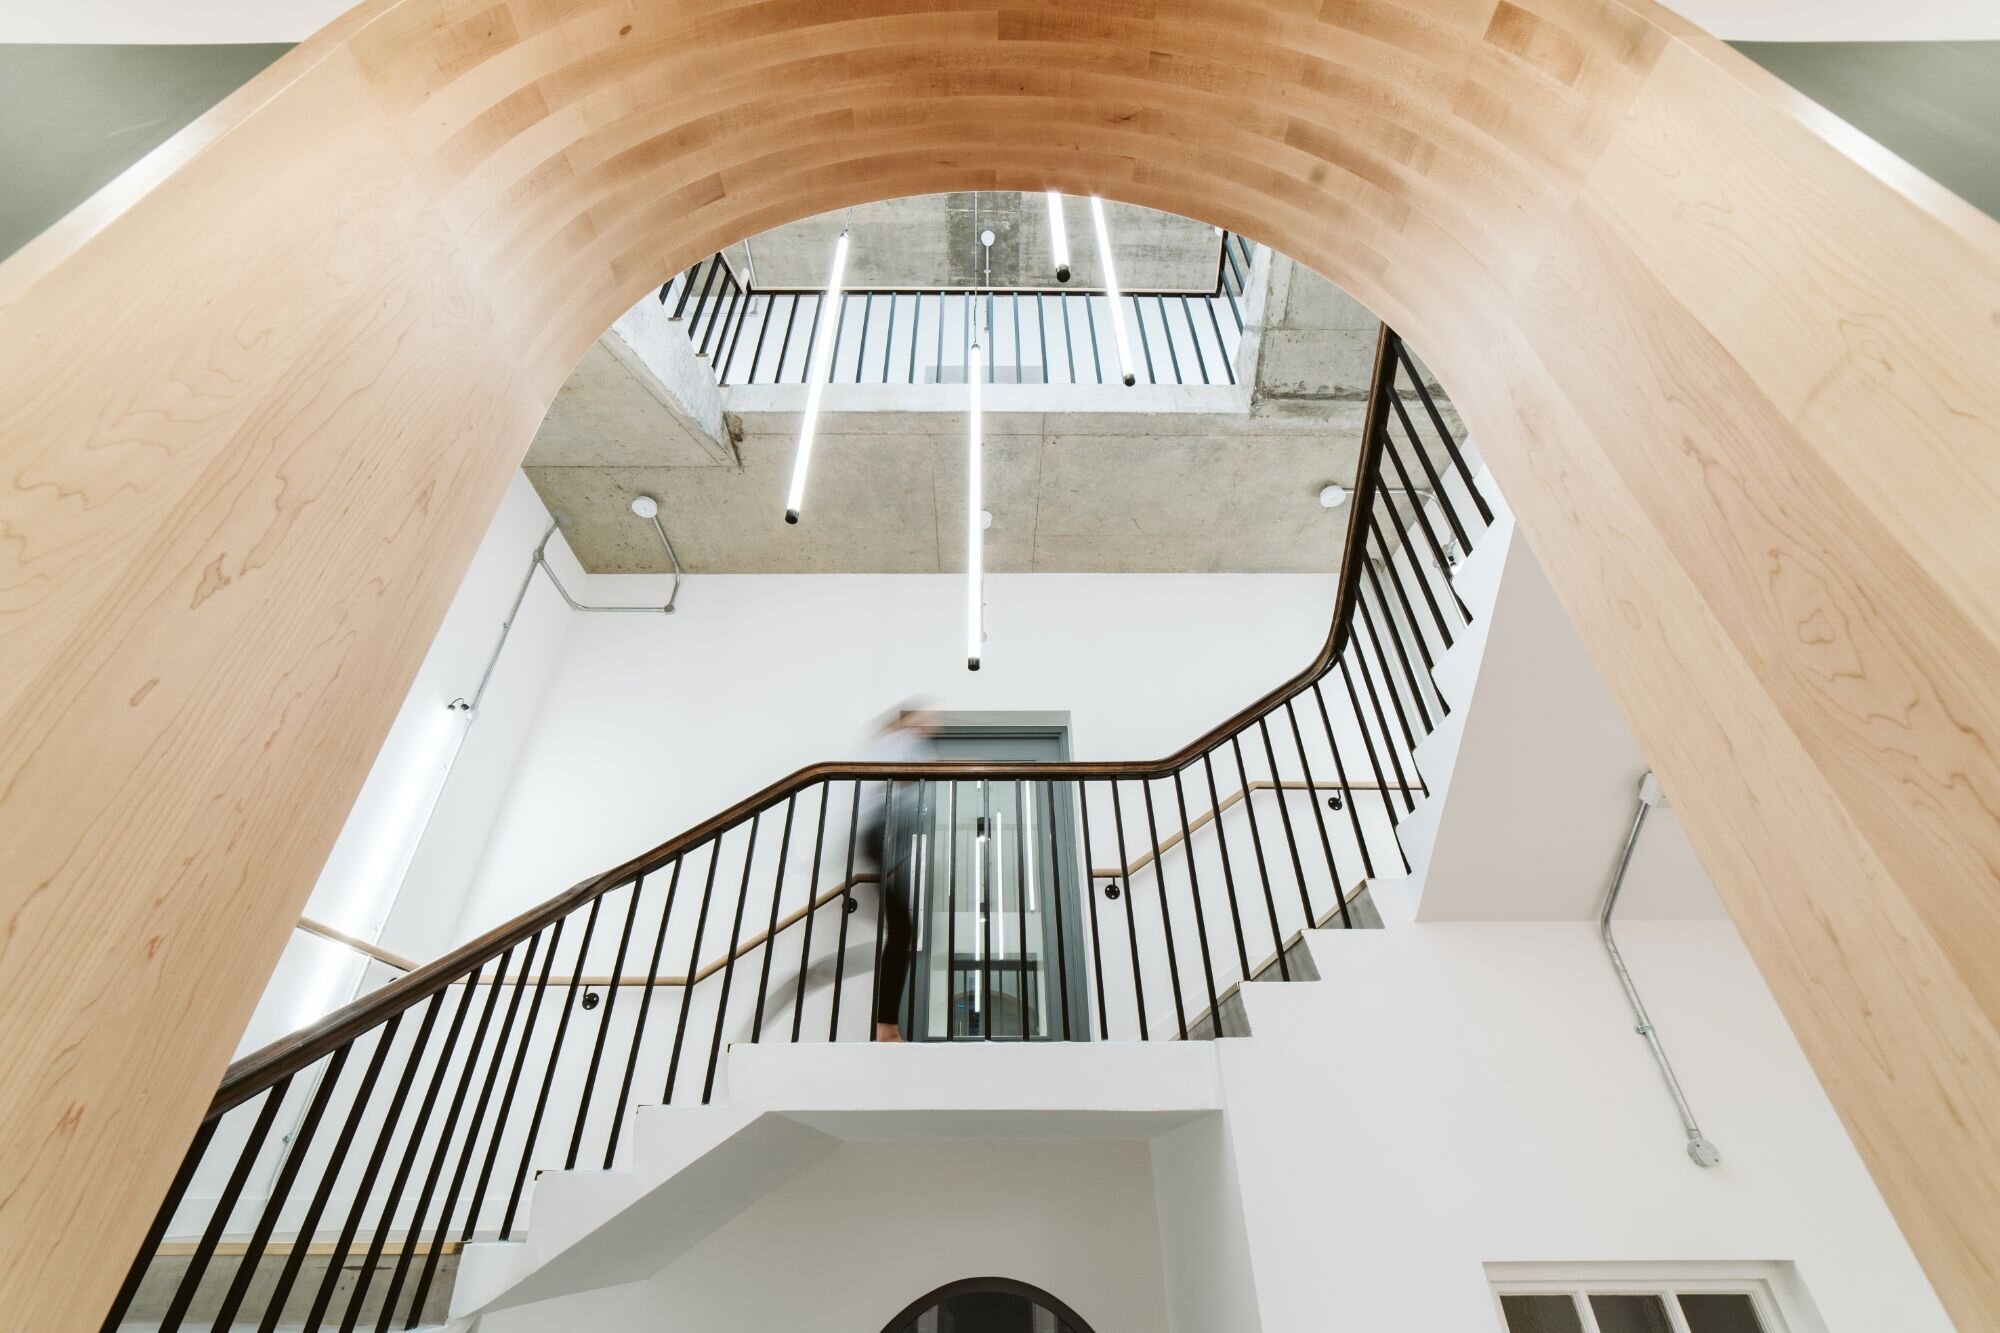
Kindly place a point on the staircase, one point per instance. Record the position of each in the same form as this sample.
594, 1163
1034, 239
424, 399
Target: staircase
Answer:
573, 1100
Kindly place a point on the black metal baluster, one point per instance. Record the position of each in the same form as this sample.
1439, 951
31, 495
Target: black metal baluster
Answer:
1319, 817
412, 1236
1069, 340
604, 1029
1139, 318
1228, 873
1346, 788
1257, 845
984, 879
1402, 596
812, 337
689, 978
1042, 330
1368, 743
1221, 348
1416, 565
785, 343
687, 290
376, 1157
861, 343
274, 1305
882, 888
549, 1073
478, 1119
507, 1097
889, 338
812, 888
1395, 457
1285, 818
846, 910
917, 328
1089, 878
1021, 854
513, 1081
839, 331
718, 318
1444, 432
694, 320
1194, 336
1090, 317
1054, 897
1166, 916
218, 1219
1388, 741
639, 1026
387, 1217
136, 1274
1402, 656
1430, 471
1019, 373
1375, 640
763, 331
1194, 895
736, 339
729, 960
777, 897
950, 909
1131, 920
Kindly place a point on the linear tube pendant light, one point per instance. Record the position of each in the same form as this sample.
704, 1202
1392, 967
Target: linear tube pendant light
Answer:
1111, 290
975, 543
816, 377
1058, 237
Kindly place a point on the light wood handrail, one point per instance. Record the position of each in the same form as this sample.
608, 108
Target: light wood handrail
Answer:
1260, 784
359, 945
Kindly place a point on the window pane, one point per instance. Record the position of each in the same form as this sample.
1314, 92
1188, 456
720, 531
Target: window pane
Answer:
1630, 1314
1541, 1314
1721, 1314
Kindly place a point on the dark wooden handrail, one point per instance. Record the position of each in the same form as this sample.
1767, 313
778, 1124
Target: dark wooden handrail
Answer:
288, 1055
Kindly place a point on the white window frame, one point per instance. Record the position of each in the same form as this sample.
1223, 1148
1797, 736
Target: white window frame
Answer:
1772, 1288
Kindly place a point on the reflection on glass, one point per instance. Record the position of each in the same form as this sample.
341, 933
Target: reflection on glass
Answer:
1719, 1313
1541, 1314
1630, 1314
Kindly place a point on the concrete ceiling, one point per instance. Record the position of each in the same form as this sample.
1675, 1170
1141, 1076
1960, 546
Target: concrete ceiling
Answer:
1226, 481
933, 241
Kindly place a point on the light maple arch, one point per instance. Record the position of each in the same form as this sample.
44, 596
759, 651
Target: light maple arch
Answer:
261, 397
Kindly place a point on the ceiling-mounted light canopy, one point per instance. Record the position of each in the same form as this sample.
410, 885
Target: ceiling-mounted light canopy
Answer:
816, 377
1111, 290
975, 543
1058, 237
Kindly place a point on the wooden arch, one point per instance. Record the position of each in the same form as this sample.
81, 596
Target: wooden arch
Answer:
1734, 369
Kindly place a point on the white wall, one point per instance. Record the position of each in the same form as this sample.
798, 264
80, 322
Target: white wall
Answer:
860, 1233
649, 726
1457, 1094
399, 868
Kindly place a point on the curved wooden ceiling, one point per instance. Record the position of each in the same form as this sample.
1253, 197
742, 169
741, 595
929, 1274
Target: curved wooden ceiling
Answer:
1733, 369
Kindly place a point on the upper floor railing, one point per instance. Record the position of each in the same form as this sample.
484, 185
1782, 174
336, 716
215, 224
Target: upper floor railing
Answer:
1057, 335
1069, 901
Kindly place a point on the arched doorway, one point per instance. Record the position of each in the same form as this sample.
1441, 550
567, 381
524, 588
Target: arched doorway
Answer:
987, 1305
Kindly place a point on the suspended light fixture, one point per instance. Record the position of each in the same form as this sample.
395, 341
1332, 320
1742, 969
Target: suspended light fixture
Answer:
816, 377
1111, 290
1058, 237
975, 537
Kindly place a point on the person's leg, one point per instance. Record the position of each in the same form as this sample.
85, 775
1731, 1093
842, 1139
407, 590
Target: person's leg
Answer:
895, 965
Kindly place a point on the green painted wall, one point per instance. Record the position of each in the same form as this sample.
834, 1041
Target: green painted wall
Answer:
73, 117
1936, 105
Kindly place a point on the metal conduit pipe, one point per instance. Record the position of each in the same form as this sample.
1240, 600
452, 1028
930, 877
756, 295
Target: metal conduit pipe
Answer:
645, 507
1699, 1149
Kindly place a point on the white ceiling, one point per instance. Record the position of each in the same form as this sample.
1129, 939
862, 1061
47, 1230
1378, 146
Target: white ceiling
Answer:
169, 21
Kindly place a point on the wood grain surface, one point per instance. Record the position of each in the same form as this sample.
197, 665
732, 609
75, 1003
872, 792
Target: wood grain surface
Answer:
1734, 368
